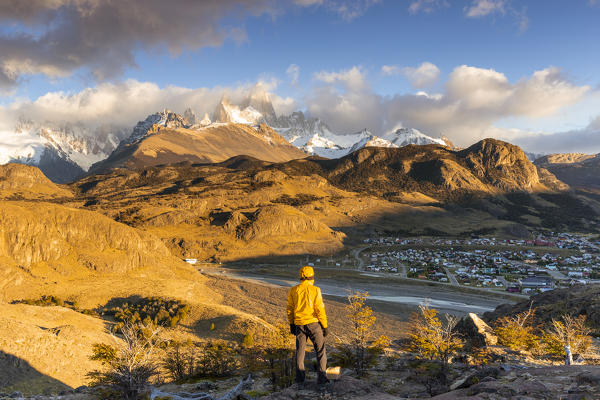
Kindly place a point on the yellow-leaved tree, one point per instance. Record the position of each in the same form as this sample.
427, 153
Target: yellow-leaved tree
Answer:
361, 349
568, 335
432, 338
517, 332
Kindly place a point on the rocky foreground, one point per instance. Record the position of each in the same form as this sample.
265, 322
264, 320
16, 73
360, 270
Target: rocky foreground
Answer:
499, 382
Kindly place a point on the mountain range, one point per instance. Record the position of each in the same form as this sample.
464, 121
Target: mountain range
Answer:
66, 151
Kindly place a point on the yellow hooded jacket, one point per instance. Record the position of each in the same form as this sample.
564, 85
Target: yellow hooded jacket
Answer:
305, 304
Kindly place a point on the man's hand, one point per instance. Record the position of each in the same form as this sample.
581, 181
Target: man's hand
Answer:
292, 329
324, 332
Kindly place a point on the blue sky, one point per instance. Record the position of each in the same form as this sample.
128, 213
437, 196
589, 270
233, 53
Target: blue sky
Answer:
509, 39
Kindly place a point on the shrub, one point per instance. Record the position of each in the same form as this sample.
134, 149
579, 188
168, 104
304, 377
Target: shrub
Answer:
518, 332
570, 333
151, 310
208, 360
432, 338
180, 362
277, 354
129, 366
217, 359
361, 351
50, 300
248, 340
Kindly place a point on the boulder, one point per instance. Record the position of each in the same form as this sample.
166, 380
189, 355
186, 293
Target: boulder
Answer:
476, 331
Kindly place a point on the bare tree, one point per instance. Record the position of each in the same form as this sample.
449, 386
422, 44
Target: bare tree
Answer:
130, 364
573, 333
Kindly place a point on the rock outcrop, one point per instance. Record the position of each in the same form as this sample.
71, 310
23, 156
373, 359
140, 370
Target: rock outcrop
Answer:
477, 333
24, 181
68, 239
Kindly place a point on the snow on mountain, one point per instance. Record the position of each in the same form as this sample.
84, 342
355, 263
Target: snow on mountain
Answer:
227, 112
163, 119
405, 136
63, 151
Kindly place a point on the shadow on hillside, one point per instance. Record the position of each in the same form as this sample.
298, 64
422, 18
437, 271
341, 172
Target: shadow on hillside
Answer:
17, 374
221, 326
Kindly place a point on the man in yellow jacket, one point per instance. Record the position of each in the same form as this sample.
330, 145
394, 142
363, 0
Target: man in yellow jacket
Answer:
306, 315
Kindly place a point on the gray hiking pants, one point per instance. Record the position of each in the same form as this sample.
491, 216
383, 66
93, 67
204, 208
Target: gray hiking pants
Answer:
314, 332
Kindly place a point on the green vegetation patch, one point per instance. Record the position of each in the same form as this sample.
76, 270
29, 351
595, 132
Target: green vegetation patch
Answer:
54, 301
155, 310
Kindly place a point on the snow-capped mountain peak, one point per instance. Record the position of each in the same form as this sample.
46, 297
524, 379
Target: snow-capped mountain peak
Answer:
405, 136
153, 123
227, 112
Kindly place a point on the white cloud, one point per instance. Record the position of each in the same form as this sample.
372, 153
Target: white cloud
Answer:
585, 140
124, 104
390, 70
306, 3
346, 9
345, 100
426, 6
354, 78
293, 72
474, 99
481, 8
422, 76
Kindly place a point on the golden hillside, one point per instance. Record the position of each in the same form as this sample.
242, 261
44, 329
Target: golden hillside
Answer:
214, 143
24, 181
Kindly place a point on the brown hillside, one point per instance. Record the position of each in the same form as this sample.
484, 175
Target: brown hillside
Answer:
577, 170
563, 158
488, 167
24, 181
215, 143
52, 234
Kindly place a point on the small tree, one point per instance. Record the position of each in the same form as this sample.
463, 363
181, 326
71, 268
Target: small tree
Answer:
517, 332
129, 365
180, 362
360, 351
433, 338
567, 335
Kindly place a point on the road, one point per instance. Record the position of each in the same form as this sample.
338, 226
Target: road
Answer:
451, 277
394, 292
356, 254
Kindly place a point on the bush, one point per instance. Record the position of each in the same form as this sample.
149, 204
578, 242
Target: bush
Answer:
209, 360
129, 366
431, 375
277, 355
180, 362
50, 301
432, 338
518, 332
568, 332
151, 310
361, 351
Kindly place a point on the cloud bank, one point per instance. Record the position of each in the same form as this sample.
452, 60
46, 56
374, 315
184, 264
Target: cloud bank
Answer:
472, 101
123, 104
57, 37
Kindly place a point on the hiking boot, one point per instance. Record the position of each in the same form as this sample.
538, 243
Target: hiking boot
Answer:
300, 378
322, 379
